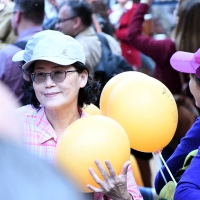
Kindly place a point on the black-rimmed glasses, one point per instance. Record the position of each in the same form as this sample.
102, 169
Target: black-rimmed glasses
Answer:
56, 76
63, 20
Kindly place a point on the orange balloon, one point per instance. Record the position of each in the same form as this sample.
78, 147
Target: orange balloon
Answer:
92, 109
87, 139
136, 171
112, 83
146, 110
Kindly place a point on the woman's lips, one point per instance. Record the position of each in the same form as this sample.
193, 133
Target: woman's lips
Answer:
52, 94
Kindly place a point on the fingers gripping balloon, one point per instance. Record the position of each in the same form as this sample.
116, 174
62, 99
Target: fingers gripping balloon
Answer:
87, 139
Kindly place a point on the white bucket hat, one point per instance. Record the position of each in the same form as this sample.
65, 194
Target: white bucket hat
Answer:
51, 46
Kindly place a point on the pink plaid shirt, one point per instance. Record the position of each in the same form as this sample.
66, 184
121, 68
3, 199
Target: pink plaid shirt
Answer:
41, 139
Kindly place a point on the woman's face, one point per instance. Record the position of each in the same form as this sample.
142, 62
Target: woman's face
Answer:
54, 95
195, 90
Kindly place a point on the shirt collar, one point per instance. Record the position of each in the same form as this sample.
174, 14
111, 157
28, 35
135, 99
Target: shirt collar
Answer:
46, 130
89, 31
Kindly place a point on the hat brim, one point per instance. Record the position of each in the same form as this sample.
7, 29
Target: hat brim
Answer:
57, 60
184, 62
19, 56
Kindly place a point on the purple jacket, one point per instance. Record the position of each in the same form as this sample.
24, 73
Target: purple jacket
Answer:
10, 72
188, 143
189, 185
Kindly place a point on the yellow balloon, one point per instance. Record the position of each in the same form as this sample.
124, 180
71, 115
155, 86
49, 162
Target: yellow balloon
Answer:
146, 110
87, 139
136, 171
92, 109
112, 83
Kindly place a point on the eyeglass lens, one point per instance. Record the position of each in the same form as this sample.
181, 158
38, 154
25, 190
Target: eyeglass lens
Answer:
57, 76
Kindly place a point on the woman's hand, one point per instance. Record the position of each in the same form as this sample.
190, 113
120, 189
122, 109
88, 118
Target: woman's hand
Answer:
114, 186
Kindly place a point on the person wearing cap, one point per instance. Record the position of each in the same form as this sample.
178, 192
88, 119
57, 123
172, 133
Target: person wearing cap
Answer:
188, 14
188, 187
189, 184
58, 85
22, 173
26, 20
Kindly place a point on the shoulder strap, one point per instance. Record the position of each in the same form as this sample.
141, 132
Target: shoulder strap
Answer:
103, 40
106, 52
96, 23
21, 44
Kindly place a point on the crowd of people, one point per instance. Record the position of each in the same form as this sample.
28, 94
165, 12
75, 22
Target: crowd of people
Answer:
49, 50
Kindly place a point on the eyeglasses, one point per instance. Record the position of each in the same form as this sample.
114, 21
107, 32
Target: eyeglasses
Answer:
63, 20
56, 76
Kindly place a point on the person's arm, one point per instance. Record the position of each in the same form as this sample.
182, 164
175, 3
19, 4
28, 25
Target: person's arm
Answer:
156, 49
114, 186
189, 184
190, 142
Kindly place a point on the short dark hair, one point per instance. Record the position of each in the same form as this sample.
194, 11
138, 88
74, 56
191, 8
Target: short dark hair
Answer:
89, 94
80, 9
32, 10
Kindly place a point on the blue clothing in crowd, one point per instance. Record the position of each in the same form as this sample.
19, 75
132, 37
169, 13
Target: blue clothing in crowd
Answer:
189, 185
190, 142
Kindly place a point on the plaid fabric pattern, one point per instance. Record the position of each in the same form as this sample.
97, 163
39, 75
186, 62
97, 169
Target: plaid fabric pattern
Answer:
41, 139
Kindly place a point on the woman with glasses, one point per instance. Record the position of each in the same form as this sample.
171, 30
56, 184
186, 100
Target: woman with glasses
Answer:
59, 84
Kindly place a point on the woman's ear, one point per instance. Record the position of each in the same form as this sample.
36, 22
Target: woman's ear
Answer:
83, 78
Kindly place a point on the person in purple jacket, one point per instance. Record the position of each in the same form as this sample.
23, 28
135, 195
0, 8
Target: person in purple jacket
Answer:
189, 184
190, 64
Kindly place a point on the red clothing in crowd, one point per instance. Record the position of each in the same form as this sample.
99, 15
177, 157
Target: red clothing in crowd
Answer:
159, 50
131, 54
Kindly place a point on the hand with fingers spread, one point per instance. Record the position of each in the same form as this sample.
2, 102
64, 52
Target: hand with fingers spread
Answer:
113, 186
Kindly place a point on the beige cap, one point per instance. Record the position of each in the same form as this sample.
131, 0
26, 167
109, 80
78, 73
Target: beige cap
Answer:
51, 46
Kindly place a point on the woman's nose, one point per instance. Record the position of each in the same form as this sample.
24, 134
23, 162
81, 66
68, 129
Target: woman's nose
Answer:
49, 82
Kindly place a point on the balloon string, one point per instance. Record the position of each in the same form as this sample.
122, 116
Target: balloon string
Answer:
159, 166
167, 168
